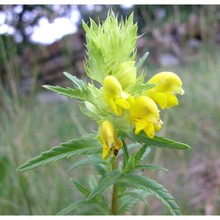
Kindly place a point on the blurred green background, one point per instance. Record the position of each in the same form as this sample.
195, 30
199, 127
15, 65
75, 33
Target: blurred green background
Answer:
182, 39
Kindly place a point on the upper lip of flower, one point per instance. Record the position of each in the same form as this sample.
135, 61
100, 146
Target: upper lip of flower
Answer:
114, 95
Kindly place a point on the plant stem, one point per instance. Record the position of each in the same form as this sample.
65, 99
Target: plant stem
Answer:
114, 206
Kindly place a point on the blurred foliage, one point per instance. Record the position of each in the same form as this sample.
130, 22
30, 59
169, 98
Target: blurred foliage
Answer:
23, 18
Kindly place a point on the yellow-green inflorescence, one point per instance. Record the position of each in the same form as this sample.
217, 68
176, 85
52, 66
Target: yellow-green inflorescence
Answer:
123, 102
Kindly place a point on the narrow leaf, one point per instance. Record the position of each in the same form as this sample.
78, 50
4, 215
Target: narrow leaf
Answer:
101, 169
72, 206
98, 199
150, 166
126, 204
125, 154
85, 191
78, 82
155, 189
141, 60
86, 162
105, 183
160, 142
85, 145
137, 194
69, 92
140, 153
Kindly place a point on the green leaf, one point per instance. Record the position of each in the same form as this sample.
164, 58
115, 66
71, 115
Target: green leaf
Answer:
125, 154
150, 166
128, 199
101, 169
85, 145
160, 142
80, 94
105, 183
126, 204
98, 199
78, 82
141, 60
136, 194
86, 162
72, 206
154, 188
140, 153
85, 191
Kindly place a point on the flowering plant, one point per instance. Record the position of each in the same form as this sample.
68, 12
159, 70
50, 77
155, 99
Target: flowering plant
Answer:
126, 111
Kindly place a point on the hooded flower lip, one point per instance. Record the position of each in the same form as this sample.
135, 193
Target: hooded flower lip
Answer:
167, 84
126, 73
145, 116
115, 96
109, 140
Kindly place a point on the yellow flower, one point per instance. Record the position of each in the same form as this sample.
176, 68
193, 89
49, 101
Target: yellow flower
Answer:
167, 84
115, 96
145, 116
111, 144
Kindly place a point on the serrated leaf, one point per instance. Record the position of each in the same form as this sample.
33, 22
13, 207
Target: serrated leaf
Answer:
154, 188
159, 142
86, 162
141, 60
78, 82
85, 145
105, 183
137, 194
98, 199
127, 204
80, 94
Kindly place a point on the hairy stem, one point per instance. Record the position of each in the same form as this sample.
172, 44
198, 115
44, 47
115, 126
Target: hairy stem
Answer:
114, 206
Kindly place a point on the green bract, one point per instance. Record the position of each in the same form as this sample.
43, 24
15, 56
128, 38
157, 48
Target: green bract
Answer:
109, 45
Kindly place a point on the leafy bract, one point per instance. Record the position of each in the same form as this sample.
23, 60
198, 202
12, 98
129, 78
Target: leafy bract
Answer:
159, 141
85, 145
142, 60
105, 183
80, 84
156, 189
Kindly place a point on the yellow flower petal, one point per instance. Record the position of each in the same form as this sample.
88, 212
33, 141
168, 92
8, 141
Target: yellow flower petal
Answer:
168, 84
145, 116
160, 98
115, 96
105, 152
111, 144
122, 103
172, 100
149, 130
140, 124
